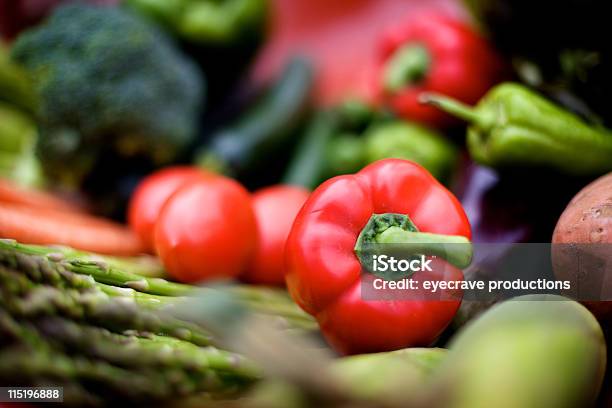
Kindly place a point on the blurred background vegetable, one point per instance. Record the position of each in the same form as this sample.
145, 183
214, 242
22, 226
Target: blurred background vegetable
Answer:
339, 37
15, 86
18, 138
275, 210
527, 352
17, 15
151, 195
217, 34
431, 52
268, 128
353, 134
110, 84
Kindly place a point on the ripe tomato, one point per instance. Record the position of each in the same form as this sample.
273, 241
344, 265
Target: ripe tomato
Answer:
206, 230
275, 209
152, 193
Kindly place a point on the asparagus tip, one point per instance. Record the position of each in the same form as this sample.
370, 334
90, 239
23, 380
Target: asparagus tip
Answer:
55, 257
140, 285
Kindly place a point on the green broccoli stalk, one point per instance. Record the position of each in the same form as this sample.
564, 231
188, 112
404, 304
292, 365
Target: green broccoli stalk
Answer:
108, 82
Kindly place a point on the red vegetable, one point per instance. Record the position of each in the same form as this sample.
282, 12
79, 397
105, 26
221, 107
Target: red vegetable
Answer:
339, 37
152, 193
275, 209
324, 273
206, 230
80, 231
434, 53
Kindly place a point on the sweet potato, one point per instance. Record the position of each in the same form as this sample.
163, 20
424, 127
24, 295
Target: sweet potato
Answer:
588, 217
582, 247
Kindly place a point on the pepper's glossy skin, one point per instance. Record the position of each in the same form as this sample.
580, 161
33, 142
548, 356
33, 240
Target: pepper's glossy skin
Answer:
460, 64
514, 126
410, 141
324, 274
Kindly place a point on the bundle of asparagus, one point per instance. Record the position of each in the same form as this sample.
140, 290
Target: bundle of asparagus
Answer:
92, 325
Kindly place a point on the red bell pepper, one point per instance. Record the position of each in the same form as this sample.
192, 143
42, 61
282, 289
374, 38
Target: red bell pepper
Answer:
324, 274
433, 53
338, 36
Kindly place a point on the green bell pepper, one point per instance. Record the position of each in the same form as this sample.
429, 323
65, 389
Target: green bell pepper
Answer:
349, 137
409, 141
206, 21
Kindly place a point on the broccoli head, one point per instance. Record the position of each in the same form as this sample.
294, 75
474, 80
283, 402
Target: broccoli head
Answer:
108, 82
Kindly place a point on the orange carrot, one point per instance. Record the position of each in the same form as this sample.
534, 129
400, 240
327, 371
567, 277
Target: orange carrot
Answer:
14, 194
47, 226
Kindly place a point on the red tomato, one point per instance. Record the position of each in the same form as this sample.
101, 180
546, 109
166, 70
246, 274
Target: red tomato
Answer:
275, 209
207, 230
152, 193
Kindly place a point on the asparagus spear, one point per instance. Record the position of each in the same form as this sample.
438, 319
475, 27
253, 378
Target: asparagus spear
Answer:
138, 350
95, 306
44, 264
29, 256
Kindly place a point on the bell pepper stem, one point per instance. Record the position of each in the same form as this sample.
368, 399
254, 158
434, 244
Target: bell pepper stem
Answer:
398, 229
407, 65
455, 249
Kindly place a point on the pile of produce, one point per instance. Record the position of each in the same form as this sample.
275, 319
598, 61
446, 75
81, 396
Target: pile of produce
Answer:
274, 203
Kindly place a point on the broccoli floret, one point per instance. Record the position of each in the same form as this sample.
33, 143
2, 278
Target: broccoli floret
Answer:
108, 81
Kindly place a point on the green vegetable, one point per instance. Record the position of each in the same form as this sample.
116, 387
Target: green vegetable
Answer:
409, 141
528, 352
137, 279
107, 81
104, 366
570, 65
266, 128
64, 322
328, 146
514, 126
309, 161
18, 135
398, 376
207, 21
15, 87
393, 379
351, 136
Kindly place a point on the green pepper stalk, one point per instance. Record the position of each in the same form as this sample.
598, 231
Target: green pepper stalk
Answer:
514, 126
407, 65
400, 230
